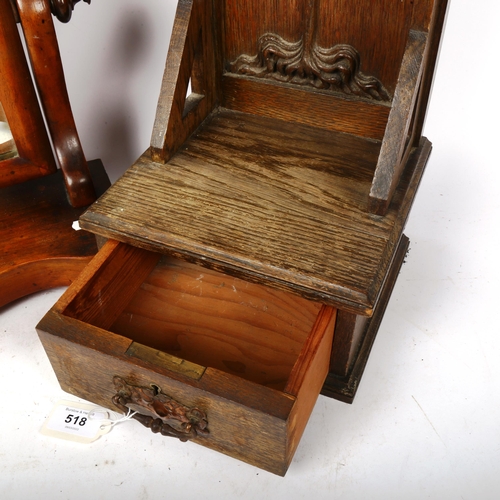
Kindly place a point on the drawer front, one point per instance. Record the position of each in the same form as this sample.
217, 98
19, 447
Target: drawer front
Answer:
242, 418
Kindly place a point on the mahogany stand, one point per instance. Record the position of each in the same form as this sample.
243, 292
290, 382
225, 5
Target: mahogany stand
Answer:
39, 202
39, 249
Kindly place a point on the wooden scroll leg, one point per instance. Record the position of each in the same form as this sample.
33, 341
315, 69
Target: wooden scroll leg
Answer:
396, 144
46, 62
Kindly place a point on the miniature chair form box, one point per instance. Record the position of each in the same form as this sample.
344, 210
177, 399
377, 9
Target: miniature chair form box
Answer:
39, 201
253, 248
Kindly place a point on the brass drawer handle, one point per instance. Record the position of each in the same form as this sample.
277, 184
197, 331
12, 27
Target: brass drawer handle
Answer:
159, 412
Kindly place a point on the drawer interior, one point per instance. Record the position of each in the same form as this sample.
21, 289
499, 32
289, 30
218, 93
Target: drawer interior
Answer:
200, 315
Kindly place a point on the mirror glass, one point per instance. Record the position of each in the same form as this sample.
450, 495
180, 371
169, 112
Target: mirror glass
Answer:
7, 144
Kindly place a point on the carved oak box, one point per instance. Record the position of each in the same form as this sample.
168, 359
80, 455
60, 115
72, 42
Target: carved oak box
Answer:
252, 249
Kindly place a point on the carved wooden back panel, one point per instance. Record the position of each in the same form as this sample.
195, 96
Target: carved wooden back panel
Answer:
377, 30
348, 47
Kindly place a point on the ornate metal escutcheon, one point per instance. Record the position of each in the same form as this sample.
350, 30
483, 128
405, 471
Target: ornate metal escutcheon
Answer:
159, 412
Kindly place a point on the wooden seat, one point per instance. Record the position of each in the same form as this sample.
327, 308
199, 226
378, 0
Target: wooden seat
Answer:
326, 64
277, 160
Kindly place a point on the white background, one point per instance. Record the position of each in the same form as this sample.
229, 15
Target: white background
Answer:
426, 420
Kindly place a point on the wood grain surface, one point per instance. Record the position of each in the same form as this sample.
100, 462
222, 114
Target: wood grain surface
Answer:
273, 202
308, 376
190, 61
305, 106
196, 314
39, 248
213, 319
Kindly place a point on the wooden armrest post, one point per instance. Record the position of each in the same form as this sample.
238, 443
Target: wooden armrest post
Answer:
189, 60
396, 143
41, 41
436, 29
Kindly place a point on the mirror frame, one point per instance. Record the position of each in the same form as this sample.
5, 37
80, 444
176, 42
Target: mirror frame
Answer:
21, 107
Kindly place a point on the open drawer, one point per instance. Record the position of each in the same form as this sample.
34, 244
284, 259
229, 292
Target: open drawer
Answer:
200, 355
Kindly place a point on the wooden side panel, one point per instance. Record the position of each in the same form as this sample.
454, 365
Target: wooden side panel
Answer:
344, 387
349, 329
108, 283
378, 29
437, 21
396, 145
308, 376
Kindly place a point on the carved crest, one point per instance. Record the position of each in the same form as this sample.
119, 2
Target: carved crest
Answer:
336, 68
306, 63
